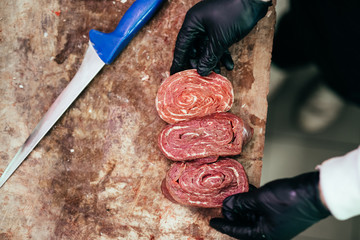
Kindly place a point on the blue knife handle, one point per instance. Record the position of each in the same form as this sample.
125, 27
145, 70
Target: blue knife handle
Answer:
109, 45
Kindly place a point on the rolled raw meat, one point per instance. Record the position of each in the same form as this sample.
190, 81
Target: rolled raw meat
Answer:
204, 182
186, 95
219, 134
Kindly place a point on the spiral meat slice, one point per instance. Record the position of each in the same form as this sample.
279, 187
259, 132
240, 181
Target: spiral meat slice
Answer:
186, 95
204, 183
219, 134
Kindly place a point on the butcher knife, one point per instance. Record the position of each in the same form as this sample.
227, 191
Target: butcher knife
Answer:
103, 49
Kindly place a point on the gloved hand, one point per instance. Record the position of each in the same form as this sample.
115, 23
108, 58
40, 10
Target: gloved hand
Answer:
210, 28
277, 211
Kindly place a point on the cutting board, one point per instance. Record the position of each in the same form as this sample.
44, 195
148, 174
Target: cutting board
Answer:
97, 173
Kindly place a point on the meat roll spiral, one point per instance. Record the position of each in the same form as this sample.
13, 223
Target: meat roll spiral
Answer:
186, 95
204, 183
219, 134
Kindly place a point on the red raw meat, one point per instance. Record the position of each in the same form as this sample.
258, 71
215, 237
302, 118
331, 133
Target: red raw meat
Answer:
219, 134
186, 95
204, 182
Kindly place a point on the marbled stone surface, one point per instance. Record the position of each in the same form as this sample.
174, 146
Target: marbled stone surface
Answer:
97, 173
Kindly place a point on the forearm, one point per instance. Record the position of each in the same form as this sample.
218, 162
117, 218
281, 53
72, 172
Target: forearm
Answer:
340, 185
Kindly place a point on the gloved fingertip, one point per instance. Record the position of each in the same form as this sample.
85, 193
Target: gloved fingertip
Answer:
228, 208
172, 71
203, 72
229, 65
229, 200
232, 228
204, 69
227, 61
208, 61
217, 223
175, 68
252, 188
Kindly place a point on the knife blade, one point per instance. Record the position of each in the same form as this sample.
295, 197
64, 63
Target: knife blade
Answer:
103, 49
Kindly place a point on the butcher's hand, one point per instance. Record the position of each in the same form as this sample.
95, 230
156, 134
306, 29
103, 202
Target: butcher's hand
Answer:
279, 210
210, 28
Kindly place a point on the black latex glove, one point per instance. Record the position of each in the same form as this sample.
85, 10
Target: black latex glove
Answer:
279, 210
210, 28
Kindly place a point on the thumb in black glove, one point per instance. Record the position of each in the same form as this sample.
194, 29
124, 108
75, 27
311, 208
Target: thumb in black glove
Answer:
279, 210
210, 28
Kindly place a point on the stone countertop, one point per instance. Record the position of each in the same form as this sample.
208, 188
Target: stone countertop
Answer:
97, 173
